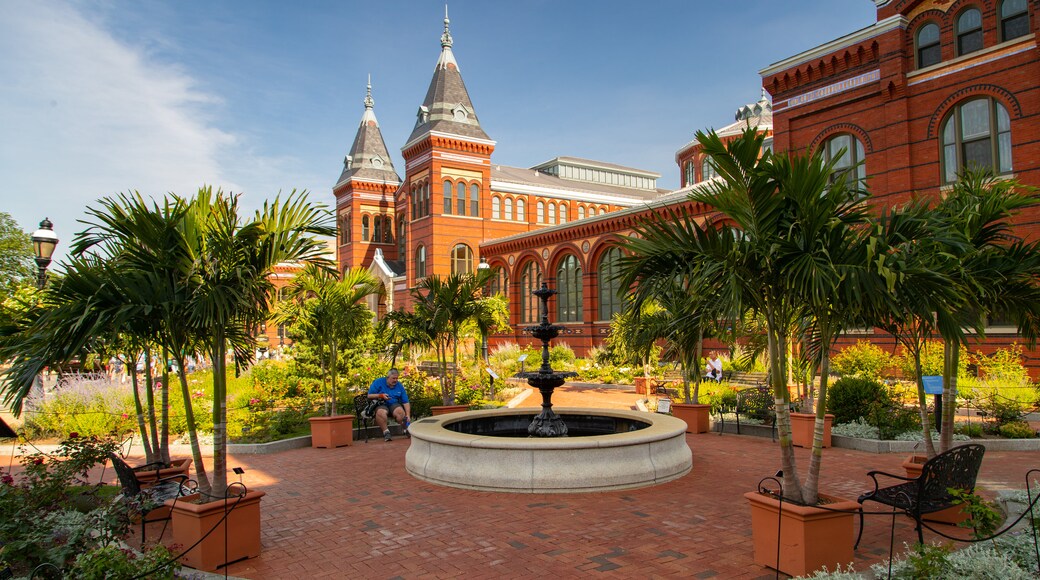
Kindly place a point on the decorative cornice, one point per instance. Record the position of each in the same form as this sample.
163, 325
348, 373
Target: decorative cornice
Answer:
877, 29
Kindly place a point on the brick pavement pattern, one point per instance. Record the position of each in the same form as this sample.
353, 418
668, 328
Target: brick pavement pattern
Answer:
354, 512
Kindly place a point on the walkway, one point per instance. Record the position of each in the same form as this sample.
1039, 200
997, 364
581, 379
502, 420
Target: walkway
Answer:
354, 512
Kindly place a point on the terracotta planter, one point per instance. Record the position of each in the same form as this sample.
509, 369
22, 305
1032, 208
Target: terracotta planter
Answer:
955, 515
331, 432
804, 424
445, 409
147, 477
697, 417
191, 521
810, 537
642, 385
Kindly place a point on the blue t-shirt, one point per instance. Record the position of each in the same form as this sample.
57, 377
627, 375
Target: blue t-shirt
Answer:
398, 396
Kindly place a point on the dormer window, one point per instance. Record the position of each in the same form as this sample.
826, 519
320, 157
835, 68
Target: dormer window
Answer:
423, 114
377, 163
459, 114
347, 162
969, 31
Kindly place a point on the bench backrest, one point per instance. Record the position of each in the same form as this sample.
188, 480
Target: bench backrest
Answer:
127, 479
957, 468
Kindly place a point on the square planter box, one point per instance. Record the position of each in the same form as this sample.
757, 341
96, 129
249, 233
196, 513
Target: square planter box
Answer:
147, 477
804, 424
810, 537
192, 521
697, 417
331, 432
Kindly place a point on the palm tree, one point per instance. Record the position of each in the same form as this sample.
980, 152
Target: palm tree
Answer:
771, 255
330, 313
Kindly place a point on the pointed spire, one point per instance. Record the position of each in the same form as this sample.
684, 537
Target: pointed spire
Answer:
368, 158
447, 107
369, 103
446, 37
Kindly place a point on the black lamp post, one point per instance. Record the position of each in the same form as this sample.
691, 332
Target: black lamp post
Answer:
44, 242
483, 265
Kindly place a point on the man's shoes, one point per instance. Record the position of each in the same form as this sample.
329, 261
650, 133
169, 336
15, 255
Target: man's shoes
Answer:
408, 429
386, 436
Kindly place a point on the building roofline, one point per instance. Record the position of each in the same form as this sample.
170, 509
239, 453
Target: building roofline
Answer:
876, 29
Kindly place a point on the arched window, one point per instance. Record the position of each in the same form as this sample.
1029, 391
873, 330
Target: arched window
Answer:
521, 210
447, 196
581, 212
530, 280
364, 228
563, 213
689, 174
460, 198
496, 208
378, 226
969, 31
461, 259
402, 243
1014, 19
474, 200
707, 169
420, 262
568, 283
552, 213
851, 153
415, 199
929, 51
609, 301
541, 212
602, 210
977, 133
509, 208
500, 283
388, 230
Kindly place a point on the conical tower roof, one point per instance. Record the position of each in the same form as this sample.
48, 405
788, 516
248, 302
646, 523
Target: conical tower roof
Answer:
447, 107
369, 160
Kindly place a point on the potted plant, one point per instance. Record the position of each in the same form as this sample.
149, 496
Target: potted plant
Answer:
778, 214
331, 315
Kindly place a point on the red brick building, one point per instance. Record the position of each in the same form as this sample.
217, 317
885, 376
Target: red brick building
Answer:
932, 87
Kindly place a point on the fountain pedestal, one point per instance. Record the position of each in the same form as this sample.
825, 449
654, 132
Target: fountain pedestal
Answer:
545, 379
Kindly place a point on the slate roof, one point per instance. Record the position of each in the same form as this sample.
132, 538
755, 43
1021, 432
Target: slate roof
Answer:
447, 107
369, 158
564, 160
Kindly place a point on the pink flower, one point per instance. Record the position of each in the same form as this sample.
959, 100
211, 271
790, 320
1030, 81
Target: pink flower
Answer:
254, 401
125, 416
74, 435
7, 479
38, 461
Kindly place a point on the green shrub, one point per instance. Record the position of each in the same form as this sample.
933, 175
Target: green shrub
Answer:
88, 407
1017, 430
862, 359
973, 430
115, 562
561, 356
851, 397
932, 358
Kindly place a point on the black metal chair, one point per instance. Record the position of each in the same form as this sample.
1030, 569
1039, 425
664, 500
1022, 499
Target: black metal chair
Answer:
361, 408
929, 493
152, 498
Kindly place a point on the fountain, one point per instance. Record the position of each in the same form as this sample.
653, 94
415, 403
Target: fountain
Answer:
527, 451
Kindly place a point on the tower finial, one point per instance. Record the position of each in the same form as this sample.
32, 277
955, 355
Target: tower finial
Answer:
446, 37
369, 103
765, 97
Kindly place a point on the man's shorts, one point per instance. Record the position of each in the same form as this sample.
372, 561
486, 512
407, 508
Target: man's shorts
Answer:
389, 409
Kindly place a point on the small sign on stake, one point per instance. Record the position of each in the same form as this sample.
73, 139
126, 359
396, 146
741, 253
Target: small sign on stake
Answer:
933, 384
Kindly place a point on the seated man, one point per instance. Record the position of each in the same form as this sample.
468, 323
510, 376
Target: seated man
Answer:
394, 402
713, 370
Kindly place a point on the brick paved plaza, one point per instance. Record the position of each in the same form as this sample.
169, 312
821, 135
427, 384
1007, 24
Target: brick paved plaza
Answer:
354, 512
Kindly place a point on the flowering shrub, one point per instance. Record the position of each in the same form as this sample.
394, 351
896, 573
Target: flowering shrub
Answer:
863, 359
94, 408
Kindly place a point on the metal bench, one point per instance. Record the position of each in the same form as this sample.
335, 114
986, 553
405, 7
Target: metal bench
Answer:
929, 493
151, 498
748, 379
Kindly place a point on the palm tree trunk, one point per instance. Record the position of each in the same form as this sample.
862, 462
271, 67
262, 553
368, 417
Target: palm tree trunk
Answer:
694, 369
951, 361
149, 394
333, 364
812, 478
219, 483
922, 403
164, 403
193, 433
149, 452
777, 349
455, 365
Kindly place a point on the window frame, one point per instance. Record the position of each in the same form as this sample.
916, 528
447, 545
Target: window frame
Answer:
448, 193
508, 208
959, 36
496, 207
569, 276
994, 135
607, 285
420, 261
464, 260
937, 44
365, 227
854, 161
530, 280
474, 199
521, 210
1005, 19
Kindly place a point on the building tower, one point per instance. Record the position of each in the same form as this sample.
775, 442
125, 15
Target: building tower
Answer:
365, 196
442, 206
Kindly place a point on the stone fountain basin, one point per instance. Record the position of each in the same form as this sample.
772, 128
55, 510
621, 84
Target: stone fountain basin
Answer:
649, 456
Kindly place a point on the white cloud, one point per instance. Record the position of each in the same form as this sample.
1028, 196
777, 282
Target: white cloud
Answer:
84, 116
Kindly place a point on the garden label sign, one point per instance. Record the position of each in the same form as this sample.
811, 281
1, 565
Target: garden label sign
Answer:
933, 384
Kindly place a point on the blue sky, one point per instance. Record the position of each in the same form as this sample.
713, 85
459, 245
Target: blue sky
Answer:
258, 96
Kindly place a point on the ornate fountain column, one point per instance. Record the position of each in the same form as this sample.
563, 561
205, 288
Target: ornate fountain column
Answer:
545, 379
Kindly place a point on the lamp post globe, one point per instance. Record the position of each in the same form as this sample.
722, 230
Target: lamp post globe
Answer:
44, 241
